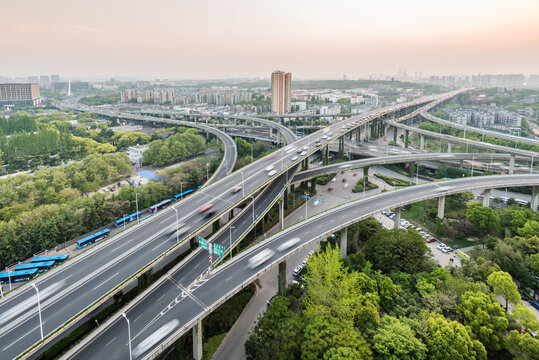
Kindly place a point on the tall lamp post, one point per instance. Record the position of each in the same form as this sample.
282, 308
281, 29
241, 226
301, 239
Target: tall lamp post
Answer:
252, 197
231, 227
128, 335
242, 185
39, 310
177, 236
136, 201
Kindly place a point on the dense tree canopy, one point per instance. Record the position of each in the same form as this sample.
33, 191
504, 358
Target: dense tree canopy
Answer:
396, 249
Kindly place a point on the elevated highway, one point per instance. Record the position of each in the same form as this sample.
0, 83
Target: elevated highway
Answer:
164, 303
104, 270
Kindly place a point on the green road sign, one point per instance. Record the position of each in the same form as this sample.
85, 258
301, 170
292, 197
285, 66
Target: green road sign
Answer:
203, 243
218, 250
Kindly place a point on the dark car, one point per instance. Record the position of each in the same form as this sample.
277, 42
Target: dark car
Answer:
210, 213
535, 304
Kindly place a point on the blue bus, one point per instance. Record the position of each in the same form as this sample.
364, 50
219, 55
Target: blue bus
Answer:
56, 258
181, 195
92, 238
163, 204
40, 266
16, 276
127, 219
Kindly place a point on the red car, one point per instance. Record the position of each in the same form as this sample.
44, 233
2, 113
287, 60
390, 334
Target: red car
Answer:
355, 174
205, 208
271, 156
330, 188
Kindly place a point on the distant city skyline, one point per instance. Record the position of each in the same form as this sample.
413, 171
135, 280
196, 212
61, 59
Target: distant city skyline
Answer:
245, 39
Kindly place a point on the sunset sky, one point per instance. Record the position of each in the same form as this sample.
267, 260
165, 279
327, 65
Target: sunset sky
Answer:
250, 38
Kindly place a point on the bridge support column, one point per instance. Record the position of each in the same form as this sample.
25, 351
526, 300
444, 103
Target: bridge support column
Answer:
441, 207
286, 191
511, 164
448, 147
397, 222
281, 214
395, 136
341, 148
359, 133
422, 142
344, 241
197, 341
313, 185
535, 198
486, 198
326, 155
281, 278
406, 140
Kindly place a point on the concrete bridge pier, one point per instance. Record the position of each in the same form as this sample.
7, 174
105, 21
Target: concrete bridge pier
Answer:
422, 142
448, 147
281, 214
281, 278
197, 341
511, 164
397, 222
486, 198
344, 241
441, 207
395, 136
535, 198
406, 138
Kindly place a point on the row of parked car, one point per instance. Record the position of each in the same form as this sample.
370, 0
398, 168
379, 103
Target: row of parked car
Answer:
406, 225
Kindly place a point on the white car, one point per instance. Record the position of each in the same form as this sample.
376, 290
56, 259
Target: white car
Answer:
288, 244
294, 158
297, 270
272, 172
292, 149
303, 153
305, 148
155, 337
260, 258
269, 168
334, 179
316, 202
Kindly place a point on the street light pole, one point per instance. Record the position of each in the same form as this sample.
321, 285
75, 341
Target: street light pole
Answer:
39, 310
242, 185
253, 208
9, 278
124, 220
128, 335
305, 204
136, 202
231, 227
531, 164
252, 154
177, 236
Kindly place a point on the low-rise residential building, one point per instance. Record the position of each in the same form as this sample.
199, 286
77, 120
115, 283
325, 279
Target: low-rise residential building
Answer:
135, 154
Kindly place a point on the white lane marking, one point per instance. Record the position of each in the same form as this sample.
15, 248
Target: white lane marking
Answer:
110, 278
110, 342
138, 317
19, 339
158, 246
230, 277
160, 297
119, 247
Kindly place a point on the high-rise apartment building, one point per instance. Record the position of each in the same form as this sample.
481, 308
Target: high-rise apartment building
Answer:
281, 90
19, 94
55, 78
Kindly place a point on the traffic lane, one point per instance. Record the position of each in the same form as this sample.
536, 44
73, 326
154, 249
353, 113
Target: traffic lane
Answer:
140, 329
200, 262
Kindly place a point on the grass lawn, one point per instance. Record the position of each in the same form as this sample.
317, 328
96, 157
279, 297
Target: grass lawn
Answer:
393, 181
359, 186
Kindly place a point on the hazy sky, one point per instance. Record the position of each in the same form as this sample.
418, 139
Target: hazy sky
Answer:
251, 38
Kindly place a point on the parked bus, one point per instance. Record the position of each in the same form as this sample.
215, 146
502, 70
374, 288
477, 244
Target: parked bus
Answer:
40, 266
127, 219
56, 258
163, 204
181, 195
17, 276
100, 235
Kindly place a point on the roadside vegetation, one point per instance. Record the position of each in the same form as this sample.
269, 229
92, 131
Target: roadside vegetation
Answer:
389, 300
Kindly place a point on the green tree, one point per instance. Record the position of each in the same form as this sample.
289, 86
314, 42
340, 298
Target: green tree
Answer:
534, 263
485, 219
525, 318
529, 229
522, 346
448, 339
367, 228
396, 249
485, 318
502, 284
396, 340
277, 334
